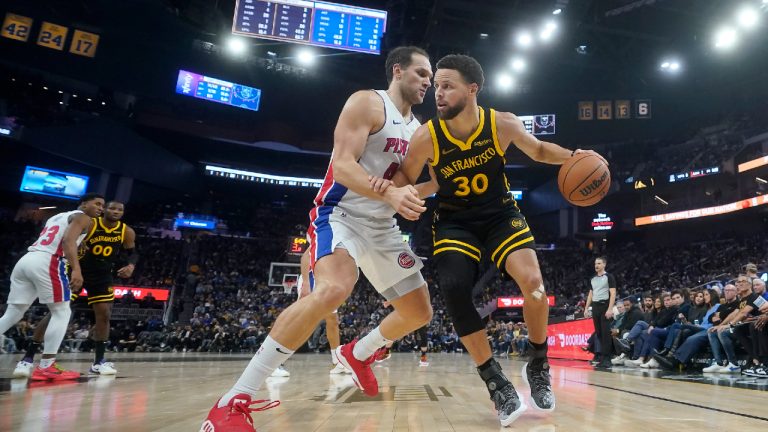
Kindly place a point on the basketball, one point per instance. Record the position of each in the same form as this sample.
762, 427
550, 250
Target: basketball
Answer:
584, 179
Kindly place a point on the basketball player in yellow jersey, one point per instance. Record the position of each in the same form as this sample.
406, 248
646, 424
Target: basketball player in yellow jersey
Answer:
107, 237
465, 147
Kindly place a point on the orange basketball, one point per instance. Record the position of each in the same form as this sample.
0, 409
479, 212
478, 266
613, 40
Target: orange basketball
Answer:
584, 179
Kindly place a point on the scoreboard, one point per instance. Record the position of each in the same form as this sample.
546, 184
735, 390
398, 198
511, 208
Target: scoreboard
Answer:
315, 23
540, 124
216, 90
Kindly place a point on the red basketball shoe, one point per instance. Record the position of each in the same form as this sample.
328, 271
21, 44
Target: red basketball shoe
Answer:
235, 416
382, 354
362, 374
53, 373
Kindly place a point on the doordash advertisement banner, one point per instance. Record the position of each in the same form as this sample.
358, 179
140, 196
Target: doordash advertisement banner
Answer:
566, 339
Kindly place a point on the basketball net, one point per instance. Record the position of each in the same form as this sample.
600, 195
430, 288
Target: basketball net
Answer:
288, 287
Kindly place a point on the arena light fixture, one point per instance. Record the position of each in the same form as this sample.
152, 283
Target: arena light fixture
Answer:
504, 81
518, 64
726, 38
559, 11
524, 39
306, 57
547, 30
670, 66
747, 17
236, 46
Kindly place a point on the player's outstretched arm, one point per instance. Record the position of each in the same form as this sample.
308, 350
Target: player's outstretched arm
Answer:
510, 130
363, 114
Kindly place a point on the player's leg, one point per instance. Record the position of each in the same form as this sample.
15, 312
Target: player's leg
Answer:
335, 276
53, 291
334, 341
102, 311
523, 266
457, 273
423, 345
394, 271
23, 293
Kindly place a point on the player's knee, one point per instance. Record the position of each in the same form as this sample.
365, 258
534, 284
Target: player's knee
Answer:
422, 316
532, 284
331, 295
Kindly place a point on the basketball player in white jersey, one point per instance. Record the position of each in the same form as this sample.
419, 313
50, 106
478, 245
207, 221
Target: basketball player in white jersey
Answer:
41, 274
352, 226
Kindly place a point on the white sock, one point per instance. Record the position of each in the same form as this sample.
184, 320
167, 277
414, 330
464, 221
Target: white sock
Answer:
333, 358
47, 362
368, 345
269, 357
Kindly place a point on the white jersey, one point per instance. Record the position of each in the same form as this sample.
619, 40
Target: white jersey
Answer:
52, 235
383, 154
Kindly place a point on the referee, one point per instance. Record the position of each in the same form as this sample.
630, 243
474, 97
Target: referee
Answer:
601, 297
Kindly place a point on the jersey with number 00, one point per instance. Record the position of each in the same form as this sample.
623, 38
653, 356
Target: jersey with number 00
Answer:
384, 152
101, 247
469, 172
53, 233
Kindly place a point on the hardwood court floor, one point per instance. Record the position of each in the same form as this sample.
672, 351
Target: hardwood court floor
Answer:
173, 392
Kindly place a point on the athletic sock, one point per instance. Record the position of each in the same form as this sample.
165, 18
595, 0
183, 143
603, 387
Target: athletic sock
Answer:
368, 345
32, 348
99, 348
268, 358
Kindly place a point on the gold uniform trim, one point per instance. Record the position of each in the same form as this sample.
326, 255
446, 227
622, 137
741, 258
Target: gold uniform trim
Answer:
122, 233
468, 144
512, 246
496, 142
466, 245
450, 248
109, 230
435, 145
509, 239
93, 230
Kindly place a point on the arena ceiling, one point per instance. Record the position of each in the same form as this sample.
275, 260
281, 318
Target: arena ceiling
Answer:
601, 49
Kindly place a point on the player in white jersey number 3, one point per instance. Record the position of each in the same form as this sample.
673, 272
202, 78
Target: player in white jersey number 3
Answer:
41, 274
352, 226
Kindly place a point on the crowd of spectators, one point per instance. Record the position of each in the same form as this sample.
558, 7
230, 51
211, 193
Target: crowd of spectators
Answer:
224, 302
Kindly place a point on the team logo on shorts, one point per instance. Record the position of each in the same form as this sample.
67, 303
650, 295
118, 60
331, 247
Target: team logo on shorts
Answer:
406, 260
517, 223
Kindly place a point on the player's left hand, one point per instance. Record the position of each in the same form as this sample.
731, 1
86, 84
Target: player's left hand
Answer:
609, 314
580, 151
126, 271
379, 184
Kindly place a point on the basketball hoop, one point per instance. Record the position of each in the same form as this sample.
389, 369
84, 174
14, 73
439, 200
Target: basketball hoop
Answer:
288, 286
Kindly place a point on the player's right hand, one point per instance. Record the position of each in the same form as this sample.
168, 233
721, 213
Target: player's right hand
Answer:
75, 280
405, 201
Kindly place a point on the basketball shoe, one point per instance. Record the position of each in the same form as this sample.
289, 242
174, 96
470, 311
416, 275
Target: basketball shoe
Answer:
235, 416
23, 369
339, 369
423, 361
382, 354
280, 372
103, 368
536, 375
508, 404
362, 374
53, 373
